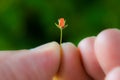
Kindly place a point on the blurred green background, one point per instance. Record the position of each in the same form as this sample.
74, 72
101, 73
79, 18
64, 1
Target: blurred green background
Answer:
30, 23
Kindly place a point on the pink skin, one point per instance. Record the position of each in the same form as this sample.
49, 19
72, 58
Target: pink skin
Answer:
40, 63
107, 48
90, 62
94, 59
114, 74
105, 54
71, 67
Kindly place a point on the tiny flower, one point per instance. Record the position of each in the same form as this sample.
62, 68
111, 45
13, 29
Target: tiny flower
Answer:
61, 23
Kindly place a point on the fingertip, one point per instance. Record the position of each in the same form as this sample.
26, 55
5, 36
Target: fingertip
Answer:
51, 45
114, 74
68, 45
107, 45
51, 49
86, 43
52, 52
108, 33
86, 47
40, 63
71, 68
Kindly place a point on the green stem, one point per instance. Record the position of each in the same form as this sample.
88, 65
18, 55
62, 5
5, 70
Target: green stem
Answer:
60, 36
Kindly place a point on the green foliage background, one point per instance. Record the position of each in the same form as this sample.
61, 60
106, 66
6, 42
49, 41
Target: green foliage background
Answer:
29, 23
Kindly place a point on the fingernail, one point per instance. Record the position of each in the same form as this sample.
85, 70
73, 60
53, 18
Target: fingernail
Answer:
68, 43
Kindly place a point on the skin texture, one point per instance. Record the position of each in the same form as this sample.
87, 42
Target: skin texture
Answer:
90, 62
71, 67
96, 58
40, 63
107, 47
114, 74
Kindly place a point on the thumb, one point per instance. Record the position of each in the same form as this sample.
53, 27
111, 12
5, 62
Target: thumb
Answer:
40, 63
114, 74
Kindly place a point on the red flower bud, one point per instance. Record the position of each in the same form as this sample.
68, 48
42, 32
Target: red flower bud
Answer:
61, 22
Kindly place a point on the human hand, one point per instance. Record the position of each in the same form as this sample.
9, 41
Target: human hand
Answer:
101, 55
43, 62
40, 63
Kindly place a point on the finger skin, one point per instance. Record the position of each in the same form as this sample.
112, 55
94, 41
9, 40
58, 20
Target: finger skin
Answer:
107, 49
71, 67
4, 55
40, 63
86, 47
114, 74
